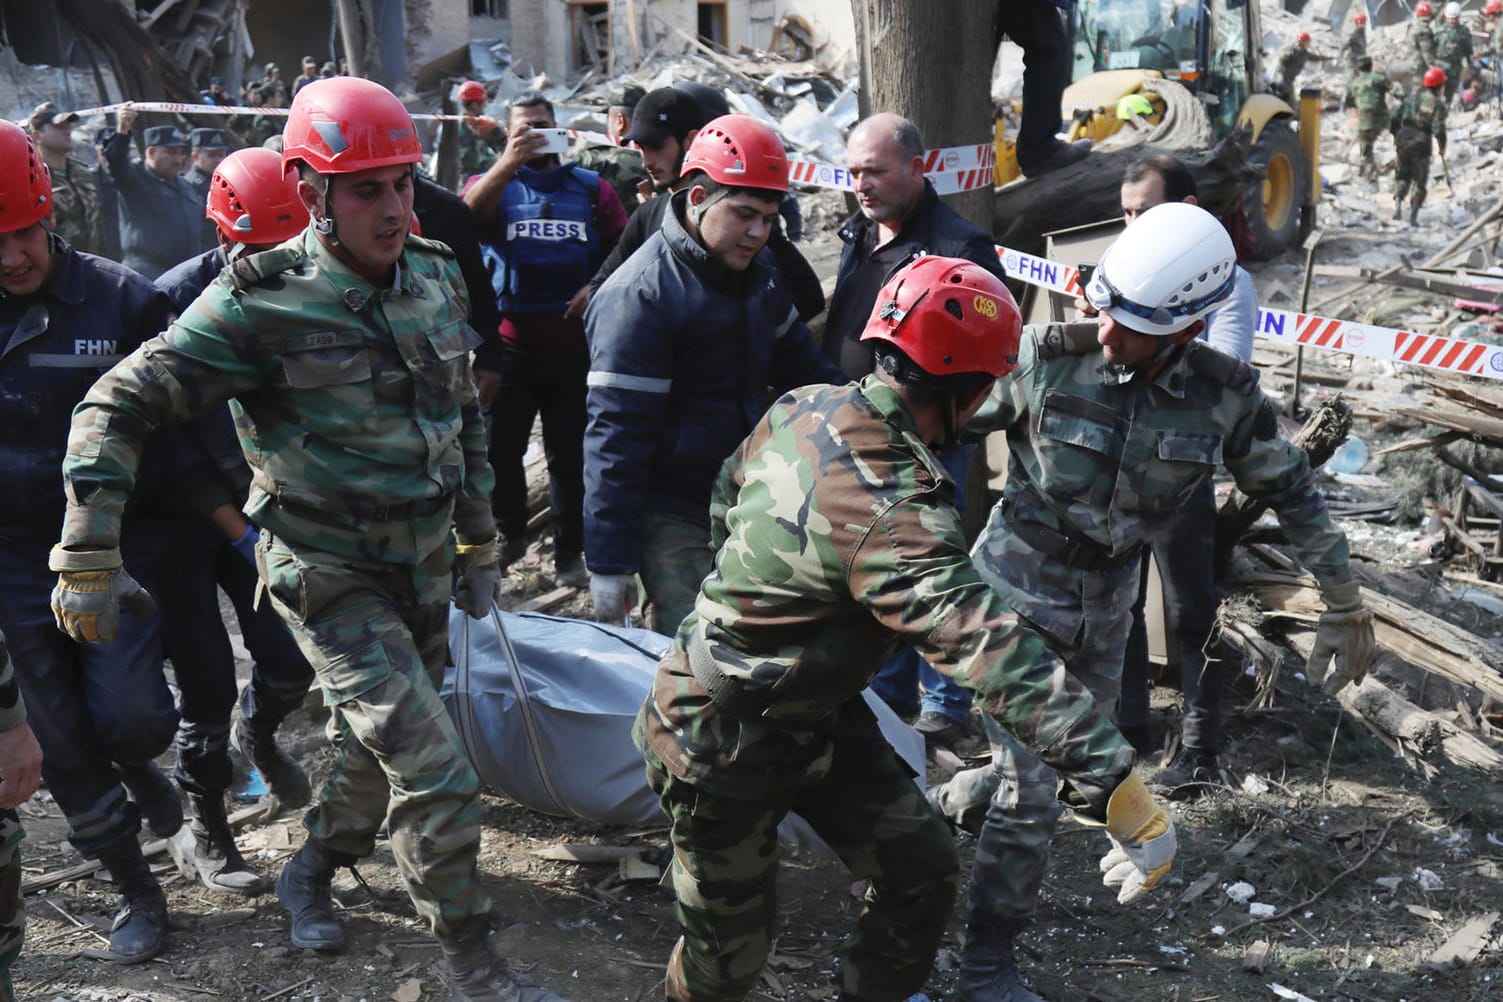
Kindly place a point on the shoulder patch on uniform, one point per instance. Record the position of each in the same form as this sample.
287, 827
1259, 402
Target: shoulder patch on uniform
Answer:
436, 246
253, 269
1218, 366
1059, 340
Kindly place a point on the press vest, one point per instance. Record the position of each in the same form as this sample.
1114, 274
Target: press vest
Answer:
547, 244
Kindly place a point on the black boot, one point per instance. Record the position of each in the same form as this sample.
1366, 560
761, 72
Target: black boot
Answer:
141, 925
988, 968
155, 796
1413, 213
206, 849
284, 777
303, 889
477, 975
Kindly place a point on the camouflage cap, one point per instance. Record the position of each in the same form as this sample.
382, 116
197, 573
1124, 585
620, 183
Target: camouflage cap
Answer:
46, 113
273, 68
626, 97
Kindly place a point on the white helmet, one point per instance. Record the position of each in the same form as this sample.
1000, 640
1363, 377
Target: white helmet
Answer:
1451, 10
1172, 265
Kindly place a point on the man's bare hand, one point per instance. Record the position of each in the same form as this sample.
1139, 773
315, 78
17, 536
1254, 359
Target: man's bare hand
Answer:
20, 765
125, 118
486, 385
577, 304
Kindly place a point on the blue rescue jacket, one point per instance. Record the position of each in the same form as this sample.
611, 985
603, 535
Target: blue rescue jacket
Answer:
685, 357
546, 244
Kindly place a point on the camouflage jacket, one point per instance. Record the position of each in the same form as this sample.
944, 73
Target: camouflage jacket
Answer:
1424, 45
1453, 47
355, 405
620, 167
12, 706
1116, 461
836, 536
1421, 116
475, 152
1292, 63
1368, 93
75, 205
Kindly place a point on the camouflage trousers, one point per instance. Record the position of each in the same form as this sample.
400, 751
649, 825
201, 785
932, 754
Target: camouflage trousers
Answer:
676, 556
12, 914
1411, 172
377, 637
1086, 617
1367, 159
860, 798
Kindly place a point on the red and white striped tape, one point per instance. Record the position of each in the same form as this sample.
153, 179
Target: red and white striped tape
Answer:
1430, 351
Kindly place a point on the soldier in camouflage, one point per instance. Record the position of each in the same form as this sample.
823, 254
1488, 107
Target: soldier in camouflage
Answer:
480, 135
20, 774
1420, 117
620, 167
346, 354
1422, 37
1368, 93
75, 192
1291, 64
836, 537
1355, 46
1108, 436
1453, 47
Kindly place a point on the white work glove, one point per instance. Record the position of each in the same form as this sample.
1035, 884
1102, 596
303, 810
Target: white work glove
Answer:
92, 585
614, 596
479, 589
1345, 632
1143, 841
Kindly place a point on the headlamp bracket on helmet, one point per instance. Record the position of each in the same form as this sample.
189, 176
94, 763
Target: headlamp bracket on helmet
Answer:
1103, 295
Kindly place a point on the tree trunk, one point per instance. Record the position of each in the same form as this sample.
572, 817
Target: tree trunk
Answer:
932, 64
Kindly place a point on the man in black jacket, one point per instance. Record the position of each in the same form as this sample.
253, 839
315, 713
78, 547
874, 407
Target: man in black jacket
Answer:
901, 216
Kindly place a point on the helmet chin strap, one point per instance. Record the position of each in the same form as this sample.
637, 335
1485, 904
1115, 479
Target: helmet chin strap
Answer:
1120, 375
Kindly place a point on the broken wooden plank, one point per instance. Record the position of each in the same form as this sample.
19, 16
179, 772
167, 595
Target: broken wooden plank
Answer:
584, 852
1467, 943
1412, 279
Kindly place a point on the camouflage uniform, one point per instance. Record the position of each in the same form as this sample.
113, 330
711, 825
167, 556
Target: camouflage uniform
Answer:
620, 167
1354, 48
1291, 64
1097, 468
1419, 118
1368, 93
476, 152
75, 205
12, 914
836, 536
1453, 51
1424, 46
357, 412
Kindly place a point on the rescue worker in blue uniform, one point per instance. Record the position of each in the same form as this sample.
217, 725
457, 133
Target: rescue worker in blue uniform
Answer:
253, 206
161, 217
103, 711
549, 226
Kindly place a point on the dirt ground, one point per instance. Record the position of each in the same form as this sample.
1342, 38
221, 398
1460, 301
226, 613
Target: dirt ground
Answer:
1368, 864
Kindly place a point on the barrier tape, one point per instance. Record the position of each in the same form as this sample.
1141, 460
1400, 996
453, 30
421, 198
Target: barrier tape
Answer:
1430, 351
951, 169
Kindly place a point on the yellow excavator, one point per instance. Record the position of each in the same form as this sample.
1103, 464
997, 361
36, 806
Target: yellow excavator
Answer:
1212, 48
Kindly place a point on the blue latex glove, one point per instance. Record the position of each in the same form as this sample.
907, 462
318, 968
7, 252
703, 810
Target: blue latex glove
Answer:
246, 544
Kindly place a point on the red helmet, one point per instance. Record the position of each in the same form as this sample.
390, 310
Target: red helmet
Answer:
1493, 7
1435, 76
25, 182
1423, 9
1303, 38
741, 151
471, 90
253, 201
346, 124
1360, 19
949, 316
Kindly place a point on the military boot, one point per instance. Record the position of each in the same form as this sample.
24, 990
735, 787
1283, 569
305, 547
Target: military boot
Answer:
477, 975
303, 889
140, 926
206, 849
1398, 208
1414, 213
988, 968
257, 743
155, 796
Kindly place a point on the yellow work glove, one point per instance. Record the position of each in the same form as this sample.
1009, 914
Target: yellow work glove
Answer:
1143, 842
1345, 632
92, 585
